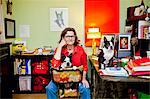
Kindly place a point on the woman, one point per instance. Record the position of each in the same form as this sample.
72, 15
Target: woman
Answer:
68, 44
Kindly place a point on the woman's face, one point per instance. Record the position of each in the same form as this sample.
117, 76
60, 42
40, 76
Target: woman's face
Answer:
70, 37
123, 41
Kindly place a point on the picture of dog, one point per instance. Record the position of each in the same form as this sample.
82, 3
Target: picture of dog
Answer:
59, 21
106, 52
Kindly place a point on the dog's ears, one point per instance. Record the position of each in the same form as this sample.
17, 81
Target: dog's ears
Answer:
112, 39
63, 57
105, 39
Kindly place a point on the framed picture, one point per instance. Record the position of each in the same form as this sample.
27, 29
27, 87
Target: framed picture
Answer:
124, 42
9, 28
58, 19
143, 29
109, 38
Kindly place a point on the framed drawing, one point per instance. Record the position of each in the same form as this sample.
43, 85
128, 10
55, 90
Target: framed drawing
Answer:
9, 28
58, 19
124, 42
107, 38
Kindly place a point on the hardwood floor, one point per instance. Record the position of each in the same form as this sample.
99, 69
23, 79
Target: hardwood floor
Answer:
29, 96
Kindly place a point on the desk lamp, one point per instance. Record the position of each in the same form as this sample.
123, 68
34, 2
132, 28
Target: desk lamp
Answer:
93, 33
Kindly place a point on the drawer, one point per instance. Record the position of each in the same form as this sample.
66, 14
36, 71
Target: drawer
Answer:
4, 52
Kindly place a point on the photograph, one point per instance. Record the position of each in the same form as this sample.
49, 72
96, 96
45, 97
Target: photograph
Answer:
143, 30
124, 42
110, 38
74, 49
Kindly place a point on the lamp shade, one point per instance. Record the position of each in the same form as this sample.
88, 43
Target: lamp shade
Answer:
93, 33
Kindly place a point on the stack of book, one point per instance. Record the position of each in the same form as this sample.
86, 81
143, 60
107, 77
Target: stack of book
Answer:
138, 66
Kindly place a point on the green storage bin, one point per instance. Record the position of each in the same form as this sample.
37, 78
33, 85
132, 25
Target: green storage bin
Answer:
142, 95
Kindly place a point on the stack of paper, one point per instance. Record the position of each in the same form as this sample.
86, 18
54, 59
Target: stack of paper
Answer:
114, 71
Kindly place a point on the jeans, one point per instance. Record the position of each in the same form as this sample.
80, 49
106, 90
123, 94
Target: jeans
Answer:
51, 91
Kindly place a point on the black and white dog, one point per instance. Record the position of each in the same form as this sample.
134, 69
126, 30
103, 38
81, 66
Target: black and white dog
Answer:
106, 53
66, 61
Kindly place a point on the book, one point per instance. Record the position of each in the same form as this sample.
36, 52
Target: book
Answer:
139, 66
142, 64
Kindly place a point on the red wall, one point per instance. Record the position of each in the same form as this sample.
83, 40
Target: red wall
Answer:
103, 14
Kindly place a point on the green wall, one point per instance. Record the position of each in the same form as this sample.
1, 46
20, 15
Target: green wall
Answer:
36, 14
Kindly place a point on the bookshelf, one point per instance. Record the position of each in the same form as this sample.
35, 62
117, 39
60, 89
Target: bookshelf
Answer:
31, 73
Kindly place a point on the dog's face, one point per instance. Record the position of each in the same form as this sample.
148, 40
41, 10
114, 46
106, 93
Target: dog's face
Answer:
108, 50
66, 61
109, 44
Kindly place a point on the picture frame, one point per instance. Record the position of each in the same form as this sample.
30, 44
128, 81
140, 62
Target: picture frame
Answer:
144, 32
58, 19
109, 37
124, 42
143, 29
9, 28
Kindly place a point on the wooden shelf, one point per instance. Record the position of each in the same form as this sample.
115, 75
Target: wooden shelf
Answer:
136, 18
36, 79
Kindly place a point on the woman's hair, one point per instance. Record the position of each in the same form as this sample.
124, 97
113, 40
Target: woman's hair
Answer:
64, 32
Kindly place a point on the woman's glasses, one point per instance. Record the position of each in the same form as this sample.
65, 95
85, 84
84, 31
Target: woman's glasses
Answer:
70, 36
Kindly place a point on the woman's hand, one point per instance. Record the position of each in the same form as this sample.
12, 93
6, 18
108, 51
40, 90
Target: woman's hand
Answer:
62, 43
85, 83
57, 55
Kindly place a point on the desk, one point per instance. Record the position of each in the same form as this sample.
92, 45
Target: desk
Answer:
114, 87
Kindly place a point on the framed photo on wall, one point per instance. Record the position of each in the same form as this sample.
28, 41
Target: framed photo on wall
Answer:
9, 28
124, 42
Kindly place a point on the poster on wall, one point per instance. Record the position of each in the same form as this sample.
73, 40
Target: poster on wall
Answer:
58, 19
